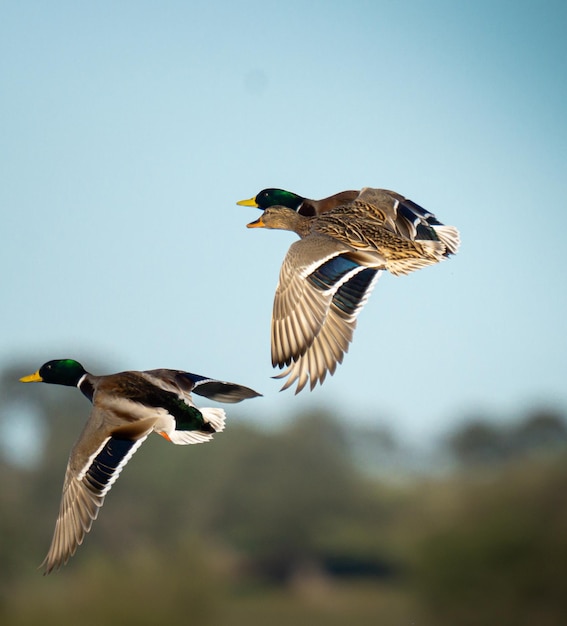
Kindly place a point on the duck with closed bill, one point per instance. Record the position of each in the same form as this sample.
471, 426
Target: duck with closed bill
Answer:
304, 206
127, 407
327, 276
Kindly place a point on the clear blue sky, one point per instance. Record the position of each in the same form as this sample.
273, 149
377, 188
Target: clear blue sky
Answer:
128, 131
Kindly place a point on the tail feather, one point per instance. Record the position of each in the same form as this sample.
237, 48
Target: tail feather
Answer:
184, 437
213, 416
450, 237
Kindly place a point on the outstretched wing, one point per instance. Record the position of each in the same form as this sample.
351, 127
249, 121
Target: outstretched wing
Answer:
319, 296
185, 383
94, 465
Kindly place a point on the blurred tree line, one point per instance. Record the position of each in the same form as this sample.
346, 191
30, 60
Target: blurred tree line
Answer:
289, 526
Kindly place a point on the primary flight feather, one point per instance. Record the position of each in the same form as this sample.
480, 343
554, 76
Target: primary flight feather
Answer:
346, 240
127, 407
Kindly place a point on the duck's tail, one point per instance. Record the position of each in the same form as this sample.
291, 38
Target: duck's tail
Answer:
449, 236
215, 417
214, 423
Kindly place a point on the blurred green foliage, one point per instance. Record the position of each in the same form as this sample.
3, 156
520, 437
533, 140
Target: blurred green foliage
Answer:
290, 527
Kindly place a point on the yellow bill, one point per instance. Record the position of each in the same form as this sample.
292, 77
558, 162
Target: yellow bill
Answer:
32, 378
250, 202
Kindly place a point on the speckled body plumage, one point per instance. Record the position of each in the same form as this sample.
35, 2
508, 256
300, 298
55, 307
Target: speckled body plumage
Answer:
327, 276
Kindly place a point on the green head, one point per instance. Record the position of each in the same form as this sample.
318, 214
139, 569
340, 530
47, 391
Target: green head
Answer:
274, 197
58, 372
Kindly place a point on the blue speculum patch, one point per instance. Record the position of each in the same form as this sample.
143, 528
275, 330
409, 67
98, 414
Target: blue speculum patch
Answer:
414, 213
328, 274
350, 294
107, 462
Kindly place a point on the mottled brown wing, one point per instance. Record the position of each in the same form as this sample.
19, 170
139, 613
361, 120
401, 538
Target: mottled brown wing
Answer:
314, 313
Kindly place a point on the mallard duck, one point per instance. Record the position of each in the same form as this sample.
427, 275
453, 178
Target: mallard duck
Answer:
304, 206
327, 276
127, 407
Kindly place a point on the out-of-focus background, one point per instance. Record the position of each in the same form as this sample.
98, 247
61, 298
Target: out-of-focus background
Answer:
425, 482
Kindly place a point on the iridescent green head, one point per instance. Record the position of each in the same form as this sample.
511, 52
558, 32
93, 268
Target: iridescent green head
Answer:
58, 372
274, 197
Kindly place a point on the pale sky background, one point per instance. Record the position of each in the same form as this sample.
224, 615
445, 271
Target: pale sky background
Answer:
128, 130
